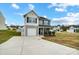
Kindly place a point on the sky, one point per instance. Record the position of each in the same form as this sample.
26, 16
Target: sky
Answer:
58, 13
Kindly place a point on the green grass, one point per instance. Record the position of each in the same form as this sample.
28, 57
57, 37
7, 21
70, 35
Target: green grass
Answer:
65, 38
7, 34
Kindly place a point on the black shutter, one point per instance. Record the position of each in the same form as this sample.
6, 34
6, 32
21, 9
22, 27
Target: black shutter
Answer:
27, 19
36, 20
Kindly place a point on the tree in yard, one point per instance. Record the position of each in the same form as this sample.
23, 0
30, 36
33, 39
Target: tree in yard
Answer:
64, 28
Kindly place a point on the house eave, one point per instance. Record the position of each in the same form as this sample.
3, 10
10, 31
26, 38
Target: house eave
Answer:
29, 12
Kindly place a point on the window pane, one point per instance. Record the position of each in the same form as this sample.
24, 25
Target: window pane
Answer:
31, 20
45, 22
41, 22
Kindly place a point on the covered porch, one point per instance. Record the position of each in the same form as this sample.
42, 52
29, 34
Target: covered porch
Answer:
44, 30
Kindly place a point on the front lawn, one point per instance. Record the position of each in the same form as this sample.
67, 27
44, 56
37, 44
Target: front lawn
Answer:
7, 34
65, 38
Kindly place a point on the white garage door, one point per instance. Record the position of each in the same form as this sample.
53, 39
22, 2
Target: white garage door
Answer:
31, 31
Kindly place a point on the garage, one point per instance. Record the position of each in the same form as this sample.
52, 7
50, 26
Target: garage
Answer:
31, 32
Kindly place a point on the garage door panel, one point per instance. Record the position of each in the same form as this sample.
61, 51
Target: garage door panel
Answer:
31, 31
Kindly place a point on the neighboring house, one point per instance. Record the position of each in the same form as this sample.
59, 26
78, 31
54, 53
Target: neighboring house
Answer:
35, 25
20, 28
15, 27
57, 28
2, 22
12, 27
71, 29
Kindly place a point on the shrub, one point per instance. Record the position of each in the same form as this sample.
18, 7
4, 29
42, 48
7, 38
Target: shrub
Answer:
77, 30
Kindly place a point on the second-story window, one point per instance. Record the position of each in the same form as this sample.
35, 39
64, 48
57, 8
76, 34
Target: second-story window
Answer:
45, 22
31, 20
41, 22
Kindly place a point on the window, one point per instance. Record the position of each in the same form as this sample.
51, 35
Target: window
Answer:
45, 22
27, 19
41, 22
31, 20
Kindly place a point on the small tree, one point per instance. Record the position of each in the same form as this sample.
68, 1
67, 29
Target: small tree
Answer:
49, 33
64, 28
77, 30
52, 32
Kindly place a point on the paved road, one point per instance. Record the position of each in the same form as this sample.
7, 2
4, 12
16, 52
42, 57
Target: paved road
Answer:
34, 46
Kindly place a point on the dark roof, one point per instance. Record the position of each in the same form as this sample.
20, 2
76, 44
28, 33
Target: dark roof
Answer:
42, 18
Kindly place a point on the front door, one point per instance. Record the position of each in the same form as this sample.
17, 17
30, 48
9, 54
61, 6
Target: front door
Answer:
40, 31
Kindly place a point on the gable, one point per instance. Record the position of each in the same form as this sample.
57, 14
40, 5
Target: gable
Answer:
31, 14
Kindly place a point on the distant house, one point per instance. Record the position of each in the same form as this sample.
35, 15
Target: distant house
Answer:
71, 29
19, 29
15, 27
57, 28
35, 25
2, 22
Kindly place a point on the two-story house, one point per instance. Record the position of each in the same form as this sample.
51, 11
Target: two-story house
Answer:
35, 25
2, 22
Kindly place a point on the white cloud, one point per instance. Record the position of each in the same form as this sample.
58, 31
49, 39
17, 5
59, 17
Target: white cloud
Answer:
45, 16
60, 9
15, 6
58, 6
61, 6
31, 6
70, 19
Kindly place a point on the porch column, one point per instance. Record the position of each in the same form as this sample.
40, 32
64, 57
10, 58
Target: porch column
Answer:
24, 30
43, 30
37, 31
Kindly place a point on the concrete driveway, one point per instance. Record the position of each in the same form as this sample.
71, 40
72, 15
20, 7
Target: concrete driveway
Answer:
34, 46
